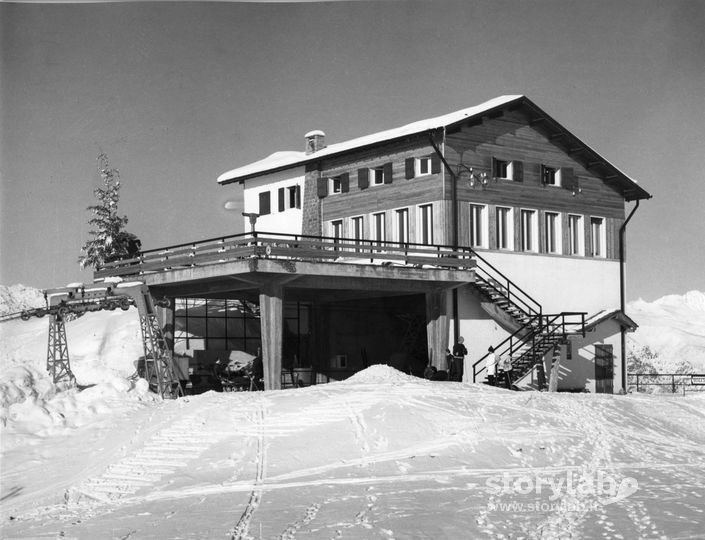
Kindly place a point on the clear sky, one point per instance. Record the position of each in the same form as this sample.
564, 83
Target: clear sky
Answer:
178, 93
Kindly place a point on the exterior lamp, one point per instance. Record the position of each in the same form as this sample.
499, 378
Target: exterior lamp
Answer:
479, 178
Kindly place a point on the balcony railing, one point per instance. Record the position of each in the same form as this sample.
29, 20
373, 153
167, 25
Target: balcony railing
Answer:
289, 246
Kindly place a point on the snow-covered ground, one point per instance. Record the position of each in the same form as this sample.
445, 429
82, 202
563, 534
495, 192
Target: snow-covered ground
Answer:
380, 456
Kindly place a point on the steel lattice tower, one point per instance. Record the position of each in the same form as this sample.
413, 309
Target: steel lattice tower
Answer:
58, 364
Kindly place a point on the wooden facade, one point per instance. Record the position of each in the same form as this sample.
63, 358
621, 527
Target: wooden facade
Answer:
509, 137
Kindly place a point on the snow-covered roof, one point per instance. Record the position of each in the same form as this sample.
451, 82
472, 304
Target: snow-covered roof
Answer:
280, 160
288, 159
607, 314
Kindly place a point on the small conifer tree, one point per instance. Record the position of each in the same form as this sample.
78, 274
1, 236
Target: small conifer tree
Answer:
109, 242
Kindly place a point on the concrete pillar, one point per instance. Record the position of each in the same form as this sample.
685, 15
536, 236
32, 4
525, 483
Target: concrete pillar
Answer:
437, 325
271, 302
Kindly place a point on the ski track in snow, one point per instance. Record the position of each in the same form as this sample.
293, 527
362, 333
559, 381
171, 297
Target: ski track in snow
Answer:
557, 435
242, 529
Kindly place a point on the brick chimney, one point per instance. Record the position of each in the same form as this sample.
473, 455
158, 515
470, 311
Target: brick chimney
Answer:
315, 141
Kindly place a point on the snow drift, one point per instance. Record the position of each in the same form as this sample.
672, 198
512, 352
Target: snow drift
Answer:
381, 455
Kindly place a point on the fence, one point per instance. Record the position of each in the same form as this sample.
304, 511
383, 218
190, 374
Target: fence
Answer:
670, 383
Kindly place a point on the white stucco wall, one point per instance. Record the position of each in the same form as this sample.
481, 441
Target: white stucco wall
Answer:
562, 283
558, 284
289, 221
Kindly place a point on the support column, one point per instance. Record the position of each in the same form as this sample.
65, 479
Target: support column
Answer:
437, 327
271, 303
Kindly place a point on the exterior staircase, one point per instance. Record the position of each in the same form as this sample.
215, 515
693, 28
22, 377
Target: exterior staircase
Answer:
533, 334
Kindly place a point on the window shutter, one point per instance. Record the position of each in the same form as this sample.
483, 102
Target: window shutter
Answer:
282, 207
363, 178
435, 164
494, 167
518, 171
410, 169
264, 203
344, 182
567, 177
298, 196
322, 187
387, 173
542, 174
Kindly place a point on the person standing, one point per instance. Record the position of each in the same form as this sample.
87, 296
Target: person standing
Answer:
507, 367
459, 353
491, 364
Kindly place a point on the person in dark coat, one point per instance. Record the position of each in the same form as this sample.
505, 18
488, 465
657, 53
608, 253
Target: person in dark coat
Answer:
458, 362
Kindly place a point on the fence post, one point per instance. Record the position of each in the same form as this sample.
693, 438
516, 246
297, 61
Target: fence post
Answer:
637, 383
673, 384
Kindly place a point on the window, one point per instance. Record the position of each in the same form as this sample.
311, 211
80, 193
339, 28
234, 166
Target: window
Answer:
336, 184
528, 230
216, 324
551, 232
336, 231
423, 166
358, 228
597, 236
550, 176
501, 169
294, 196
425, 224
507, 170
478, 225
575, 234
505, 228
265, 203
402, 226
377, 176
379, 233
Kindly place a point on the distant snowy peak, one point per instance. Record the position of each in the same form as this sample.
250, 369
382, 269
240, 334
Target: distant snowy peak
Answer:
673, 327
18, 297
693, 299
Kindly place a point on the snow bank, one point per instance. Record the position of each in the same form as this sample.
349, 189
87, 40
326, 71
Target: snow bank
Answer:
104, 348
381, 373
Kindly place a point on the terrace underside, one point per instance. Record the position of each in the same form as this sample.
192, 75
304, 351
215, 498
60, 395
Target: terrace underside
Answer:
357, 307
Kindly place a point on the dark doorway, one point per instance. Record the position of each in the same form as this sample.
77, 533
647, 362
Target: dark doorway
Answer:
604, 369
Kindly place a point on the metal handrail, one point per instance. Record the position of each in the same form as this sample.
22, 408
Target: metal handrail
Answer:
543, 327
533, 307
